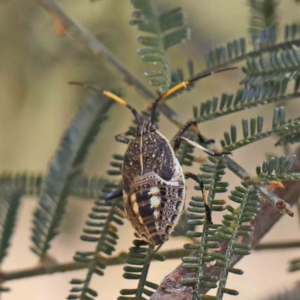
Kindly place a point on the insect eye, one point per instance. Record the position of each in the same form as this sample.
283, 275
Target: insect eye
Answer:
152, 127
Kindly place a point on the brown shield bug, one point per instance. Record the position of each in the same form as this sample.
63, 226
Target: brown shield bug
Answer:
153, 179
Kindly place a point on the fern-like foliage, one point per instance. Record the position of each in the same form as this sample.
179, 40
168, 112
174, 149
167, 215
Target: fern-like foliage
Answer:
101, 230
245, 98
235, 51
263, 15
290, 136
138, 263
275, 66
211, 174
87, 187
9, 204
279, 127
64, 167
29, 183
277, 169
184, 154
116, 165
166, 30
234, 227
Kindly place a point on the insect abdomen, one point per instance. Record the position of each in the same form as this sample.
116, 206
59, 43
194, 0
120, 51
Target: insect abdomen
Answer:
154, 207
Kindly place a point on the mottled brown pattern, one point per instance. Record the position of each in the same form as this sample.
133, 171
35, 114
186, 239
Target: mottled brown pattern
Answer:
157, 156
154, 223
153, 185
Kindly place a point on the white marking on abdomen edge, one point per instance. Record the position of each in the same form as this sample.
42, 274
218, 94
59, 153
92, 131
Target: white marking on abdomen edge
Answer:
154, 191
155, 201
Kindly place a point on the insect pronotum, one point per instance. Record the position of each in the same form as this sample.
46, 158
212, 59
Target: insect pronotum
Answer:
153, 179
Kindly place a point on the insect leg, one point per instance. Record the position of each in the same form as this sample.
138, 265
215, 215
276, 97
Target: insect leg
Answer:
122, 139
208, 151
108, 201
158, 247
185, 127
198, 179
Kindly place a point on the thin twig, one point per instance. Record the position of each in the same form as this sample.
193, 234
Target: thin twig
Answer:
171, 289
277, 245
279, 203
73, 266
94, 45
98, 49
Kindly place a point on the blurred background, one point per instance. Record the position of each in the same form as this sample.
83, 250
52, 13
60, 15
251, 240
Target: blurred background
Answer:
37, 104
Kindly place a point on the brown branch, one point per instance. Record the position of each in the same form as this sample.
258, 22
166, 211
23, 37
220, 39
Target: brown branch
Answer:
268, 215
277, 245
63, 23
93, 44
52, 268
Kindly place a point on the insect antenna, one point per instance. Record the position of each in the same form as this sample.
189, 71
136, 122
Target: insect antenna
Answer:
180, 86
109, 95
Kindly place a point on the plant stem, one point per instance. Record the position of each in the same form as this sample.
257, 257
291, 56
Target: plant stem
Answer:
94, 45
279, 203
73, 266
98, 49
277, 245
254, 53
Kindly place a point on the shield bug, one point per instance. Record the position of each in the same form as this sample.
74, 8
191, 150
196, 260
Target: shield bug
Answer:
153, 179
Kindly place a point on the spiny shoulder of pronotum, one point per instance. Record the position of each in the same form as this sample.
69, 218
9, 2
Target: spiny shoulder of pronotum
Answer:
153, 179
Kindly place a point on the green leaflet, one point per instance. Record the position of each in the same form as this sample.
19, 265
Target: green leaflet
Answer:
87, 187
9, 205
235, 51
31, 184
100, 229
28, 183
138, 263
164, 31
277, 168
211, 175
263, 15
233, 230
64, 167
253, 130
276, 66
245, 98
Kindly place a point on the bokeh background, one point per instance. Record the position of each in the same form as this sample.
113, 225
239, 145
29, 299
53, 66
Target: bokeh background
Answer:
36, 106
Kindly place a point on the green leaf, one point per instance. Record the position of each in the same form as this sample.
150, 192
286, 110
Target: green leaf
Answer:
103, 238
278, 169
245, 98
263, 16
212, 173
9, 204
277, 66
230, 233
281, 128
235, 51
166, 30
140, 255
64, 167
28, 183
